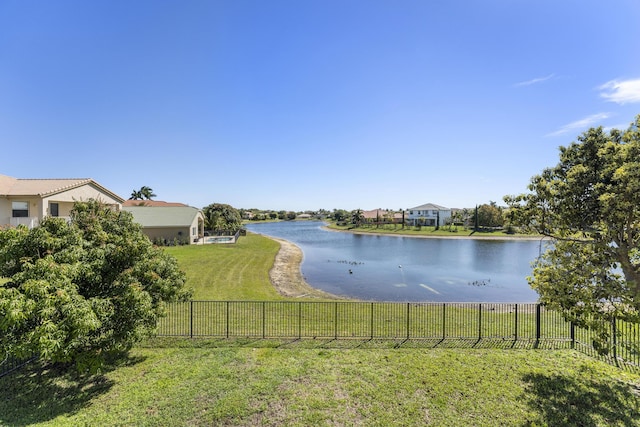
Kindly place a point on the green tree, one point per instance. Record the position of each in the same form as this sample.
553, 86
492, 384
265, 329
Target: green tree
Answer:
589, 203
489, 215
144, 193
81, 291
340, 215
357, 217
220, 216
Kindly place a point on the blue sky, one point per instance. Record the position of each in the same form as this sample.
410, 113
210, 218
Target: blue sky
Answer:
302, 105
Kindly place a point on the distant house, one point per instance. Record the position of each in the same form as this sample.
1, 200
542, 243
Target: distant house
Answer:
167, 222
382, 216
28, 201
429, 214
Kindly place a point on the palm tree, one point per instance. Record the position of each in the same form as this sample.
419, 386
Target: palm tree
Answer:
356, 217
143, 193
147, 192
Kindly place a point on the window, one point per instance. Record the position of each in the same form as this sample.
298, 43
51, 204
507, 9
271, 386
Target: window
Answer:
20, 209
54, 209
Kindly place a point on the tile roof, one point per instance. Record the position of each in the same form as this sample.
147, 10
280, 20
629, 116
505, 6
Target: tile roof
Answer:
10, 186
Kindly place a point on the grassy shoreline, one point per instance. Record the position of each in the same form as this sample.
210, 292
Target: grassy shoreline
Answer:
431, 232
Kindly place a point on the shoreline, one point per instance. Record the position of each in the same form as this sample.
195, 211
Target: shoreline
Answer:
286, 277
426, 236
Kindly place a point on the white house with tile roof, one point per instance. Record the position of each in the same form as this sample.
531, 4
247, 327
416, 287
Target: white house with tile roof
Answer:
429, 214
28, 201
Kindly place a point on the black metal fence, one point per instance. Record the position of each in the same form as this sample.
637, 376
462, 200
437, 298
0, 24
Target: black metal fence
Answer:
531, 323
10, 364
437, 322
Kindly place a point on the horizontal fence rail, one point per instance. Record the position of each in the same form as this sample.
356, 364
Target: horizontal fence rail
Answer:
394, 321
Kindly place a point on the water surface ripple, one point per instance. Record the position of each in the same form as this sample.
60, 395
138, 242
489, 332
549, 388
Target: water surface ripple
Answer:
392, 268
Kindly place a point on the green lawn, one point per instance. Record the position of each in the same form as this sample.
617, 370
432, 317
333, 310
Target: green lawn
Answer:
202, 383
230, 271
170, 382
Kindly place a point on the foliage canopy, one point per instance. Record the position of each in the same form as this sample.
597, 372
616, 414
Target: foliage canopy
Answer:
589, 203
81, 290
220, 216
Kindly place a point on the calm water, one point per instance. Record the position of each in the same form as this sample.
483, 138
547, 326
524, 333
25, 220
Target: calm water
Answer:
383, 268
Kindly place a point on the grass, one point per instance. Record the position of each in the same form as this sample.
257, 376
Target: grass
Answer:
230, 272
168, 382
218, 383
444, 231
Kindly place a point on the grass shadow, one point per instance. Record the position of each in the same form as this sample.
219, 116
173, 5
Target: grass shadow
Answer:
39, 392
562, 400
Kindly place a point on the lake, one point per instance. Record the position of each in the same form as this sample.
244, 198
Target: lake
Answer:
392, 268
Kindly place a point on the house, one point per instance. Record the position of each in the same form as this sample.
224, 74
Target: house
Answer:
28, 201
429, 214
167, 222
382, 216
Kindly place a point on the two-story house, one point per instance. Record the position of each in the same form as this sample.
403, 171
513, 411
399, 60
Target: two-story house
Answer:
429, 214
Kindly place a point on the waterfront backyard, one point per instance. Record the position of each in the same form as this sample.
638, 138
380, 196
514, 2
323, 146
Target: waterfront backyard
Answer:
182, 381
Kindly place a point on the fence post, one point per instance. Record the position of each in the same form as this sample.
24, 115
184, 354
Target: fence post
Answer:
299, 319
516, 331
264, 320
335, 320
408, 317
573, 335
479, 321
191, 319
615, 340
227, 320
372, 325
444, 320
538, 309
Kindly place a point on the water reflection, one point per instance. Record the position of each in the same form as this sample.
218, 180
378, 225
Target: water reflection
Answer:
386, 268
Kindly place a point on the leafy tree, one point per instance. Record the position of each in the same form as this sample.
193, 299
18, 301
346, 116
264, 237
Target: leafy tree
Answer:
589, 203
81, 291
220, 216
291, 215
340, 215
489, 215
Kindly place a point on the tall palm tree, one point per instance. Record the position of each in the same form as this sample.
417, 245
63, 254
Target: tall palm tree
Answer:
136, 195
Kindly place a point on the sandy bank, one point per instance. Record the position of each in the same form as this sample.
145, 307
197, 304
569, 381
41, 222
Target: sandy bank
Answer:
286, 277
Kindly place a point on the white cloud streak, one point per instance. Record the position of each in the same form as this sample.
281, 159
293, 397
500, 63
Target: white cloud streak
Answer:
581, 124
534, 81
621, 92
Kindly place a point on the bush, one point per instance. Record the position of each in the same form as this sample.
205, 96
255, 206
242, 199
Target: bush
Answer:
82, 291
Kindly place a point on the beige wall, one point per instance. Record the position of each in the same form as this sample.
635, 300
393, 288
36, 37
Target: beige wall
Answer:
168, 233
39, 208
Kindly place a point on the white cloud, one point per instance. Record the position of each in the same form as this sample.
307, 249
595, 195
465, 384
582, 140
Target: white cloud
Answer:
621, 92
581, 124
534, 81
